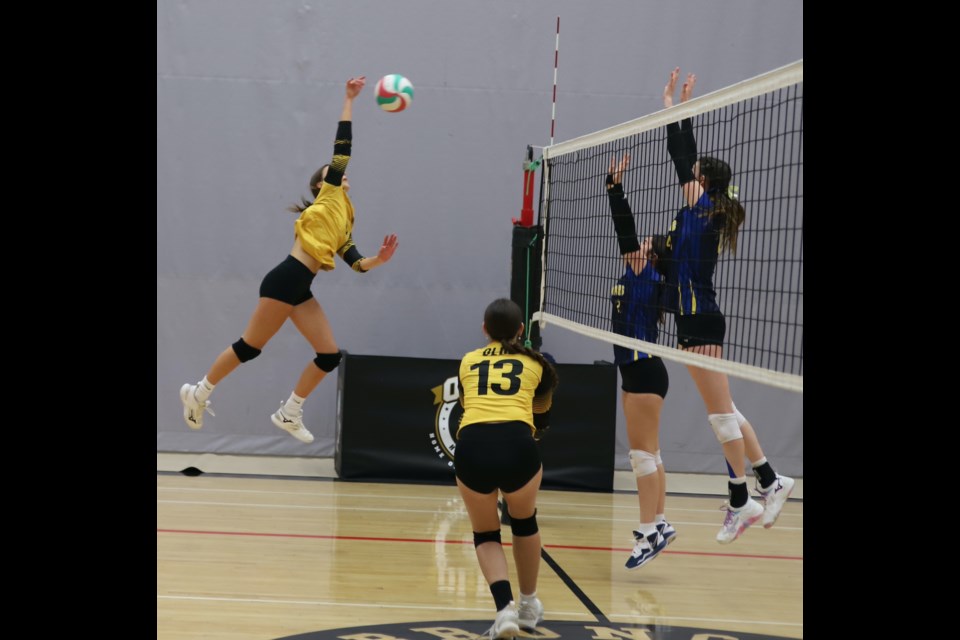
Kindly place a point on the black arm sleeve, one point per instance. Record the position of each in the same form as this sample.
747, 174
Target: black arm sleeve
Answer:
623, 222
543, 400
352, 257
341, 153
683, 148
541, 422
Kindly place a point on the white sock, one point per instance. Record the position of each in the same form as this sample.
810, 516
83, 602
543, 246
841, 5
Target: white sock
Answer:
661, 518
524, 596
203, 390
294, 405
646, 528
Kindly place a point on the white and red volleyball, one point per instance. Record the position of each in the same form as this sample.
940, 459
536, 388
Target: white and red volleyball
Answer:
394, 92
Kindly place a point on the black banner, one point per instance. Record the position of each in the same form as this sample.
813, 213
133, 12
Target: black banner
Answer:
397, 419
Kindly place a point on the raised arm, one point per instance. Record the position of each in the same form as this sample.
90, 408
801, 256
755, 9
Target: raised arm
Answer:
623, 222
344, 139
681, 143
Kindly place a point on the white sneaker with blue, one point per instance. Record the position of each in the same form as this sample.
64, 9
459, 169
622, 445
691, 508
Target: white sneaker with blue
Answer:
647, 548
667, 531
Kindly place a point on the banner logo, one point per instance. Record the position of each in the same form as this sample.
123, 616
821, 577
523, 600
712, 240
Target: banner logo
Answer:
449, 412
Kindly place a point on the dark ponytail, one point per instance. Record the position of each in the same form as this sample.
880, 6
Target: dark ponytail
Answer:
660, 254
717, 174
304, 203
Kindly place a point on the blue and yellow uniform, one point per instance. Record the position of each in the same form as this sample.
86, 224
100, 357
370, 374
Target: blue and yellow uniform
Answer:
635, 311
636, 306
694, 239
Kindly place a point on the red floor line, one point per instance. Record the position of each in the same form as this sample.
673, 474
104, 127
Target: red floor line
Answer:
433, 541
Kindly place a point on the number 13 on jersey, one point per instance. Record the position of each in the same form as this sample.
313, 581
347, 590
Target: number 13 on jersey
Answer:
505, 379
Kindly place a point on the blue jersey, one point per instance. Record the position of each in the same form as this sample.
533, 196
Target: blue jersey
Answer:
635, 310
694, 239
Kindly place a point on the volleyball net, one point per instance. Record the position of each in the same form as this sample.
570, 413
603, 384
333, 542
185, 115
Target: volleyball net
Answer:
755, 126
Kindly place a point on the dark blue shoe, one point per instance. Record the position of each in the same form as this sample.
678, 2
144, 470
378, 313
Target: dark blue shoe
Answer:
667, 531
646, 549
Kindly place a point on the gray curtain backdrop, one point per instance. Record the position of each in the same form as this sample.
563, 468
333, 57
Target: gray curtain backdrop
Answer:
248, 97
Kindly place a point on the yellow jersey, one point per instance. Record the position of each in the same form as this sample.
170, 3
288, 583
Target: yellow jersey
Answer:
496, 386
326, 226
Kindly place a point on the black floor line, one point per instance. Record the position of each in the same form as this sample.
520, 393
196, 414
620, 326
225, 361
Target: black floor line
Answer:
577, 591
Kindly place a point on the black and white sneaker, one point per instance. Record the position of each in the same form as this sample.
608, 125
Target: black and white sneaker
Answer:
192, 408
292, 425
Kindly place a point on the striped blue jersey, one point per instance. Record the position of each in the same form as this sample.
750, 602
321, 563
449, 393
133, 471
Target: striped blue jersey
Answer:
635, 310
694, 239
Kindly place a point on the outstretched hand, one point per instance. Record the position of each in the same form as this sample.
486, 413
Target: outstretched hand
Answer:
686, 91
615, 172
355, 85
388, 247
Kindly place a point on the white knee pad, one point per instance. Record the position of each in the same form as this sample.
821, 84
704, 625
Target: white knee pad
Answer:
659, 459
726, 426
643, 462
740, 418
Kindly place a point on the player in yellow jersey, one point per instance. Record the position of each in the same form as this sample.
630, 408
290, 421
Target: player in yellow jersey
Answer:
502, 386
324, 228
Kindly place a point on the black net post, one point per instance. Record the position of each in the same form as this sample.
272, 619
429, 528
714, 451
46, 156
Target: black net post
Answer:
525, 272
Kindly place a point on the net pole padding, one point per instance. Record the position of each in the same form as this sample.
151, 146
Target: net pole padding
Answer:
526, 312
764, 83
786, 381
525, 270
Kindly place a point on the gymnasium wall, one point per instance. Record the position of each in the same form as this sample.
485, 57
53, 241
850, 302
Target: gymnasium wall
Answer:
248, 96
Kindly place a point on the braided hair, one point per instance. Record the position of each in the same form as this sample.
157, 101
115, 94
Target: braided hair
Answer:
502, 321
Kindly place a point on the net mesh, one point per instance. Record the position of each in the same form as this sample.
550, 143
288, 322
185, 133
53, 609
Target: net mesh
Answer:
756, 127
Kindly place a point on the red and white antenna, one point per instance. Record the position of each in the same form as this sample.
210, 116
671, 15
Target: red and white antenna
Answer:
529, 166
556, 58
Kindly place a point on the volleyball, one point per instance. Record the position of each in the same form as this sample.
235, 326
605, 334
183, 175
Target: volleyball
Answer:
394, 92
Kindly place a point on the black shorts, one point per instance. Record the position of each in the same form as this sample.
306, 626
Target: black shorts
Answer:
700, 329
288, 282
647, 375
496, 455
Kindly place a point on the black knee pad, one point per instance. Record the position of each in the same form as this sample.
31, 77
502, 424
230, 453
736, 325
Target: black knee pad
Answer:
524, 526
328, 361
244, 351
486, 536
